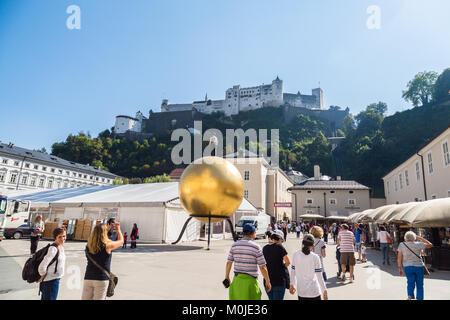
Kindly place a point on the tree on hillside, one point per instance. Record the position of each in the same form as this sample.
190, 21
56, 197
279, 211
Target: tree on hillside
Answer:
379, 108
442, 86
420, 89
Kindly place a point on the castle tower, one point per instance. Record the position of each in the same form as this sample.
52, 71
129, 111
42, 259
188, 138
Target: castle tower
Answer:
164, 105
318, 92
277, 91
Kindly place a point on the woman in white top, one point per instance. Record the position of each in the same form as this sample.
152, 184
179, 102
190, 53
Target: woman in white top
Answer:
306, 273
50, 271
383, 236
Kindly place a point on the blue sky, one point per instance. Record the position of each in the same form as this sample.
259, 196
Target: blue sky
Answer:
129, 55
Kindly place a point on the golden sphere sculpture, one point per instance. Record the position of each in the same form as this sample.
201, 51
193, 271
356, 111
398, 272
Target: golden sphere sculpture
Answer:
211, 186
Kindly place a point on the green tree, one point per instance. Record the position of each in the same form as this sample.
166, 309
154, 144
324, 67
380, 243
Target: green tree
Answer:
379, 108
442, 86
420, 89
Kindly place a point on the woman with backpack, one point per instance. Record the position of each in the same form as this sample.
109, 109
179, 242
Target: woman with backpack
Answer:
98, 253
49, 281
319, 246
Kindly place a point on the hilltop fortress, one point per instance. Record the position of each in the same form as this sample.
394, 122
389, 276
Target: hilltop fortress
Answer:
237, 99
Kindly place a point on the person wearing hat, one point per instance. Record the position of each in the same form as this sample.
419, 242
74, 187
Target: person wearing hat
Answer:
277, 262
306, 273
247, 257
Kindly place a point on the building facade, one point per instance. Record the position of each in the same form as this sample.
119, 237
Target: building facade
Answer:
264, 185
424, 176
329, 197
22, 169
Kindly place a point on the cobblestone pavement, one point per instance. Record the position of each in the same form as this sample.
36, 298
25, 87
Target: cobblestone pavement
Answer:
188, 271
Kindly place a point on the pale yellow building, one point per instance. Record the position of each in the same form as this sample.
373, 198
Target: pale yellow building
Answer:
264, 186
329, 197
424, 176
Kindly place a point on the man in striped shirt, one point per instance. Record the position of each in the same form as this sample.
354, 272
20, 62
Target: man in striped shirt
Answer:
247, 257
346, 242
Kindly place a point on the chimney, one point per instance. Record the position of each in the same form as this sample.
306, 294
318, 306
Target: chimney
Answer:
338, 178
316, 172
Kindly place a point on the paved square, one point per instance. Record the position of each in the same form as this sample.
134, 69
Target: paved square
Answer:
188, 271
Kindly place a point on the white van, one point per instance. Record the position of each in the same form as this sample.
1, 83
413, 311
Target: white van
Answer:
261, 222
13, 214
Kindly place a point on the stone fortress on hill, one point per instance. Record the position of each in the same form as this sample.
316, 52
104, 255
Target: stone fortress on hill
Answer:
237, 99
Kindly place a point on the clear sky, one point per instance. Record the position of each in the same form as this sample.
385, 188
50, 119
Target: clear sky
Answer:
129, 55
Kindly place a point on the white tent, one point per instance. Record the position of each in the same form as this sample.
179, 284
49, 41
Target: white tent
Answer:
154, 207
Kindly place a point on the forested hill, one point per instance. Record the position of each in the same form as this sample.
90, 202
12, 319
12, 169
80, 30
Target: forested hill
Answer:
374, 144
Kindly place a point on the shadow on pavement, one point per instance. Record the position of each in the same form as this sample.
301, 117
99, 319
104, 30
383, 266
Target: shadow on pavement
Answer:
158, 248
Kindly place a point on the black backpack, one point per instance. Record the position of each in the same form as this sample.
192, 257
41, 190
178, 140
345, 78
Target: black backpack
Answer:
30, 269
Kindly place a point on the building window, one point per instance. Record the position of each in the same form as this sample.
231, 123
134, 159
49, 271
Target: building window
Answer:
68, 173
24, 180
446, 154
351, 191
246, 194
400, 178
309, 191
66, 184
33, 181
433, 196
332, 201
351, 202
41, 182
309, 201
332, 191
27, 165
5, 161
2, 176
60, 171
395, 185
16, 163
50, 184
417, 171
387, 187
309, 212
13, 178
52, 170
246, 175
79, 175
406, 178
85, 176
430, 163
36, 167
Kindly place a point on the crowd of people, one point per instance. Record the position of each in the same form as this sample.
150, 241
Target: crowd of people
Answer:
308, 277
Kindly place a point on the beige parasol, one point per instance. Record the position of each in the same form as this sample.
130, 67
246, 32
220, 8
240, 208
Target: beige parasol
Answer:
427, 214
375, 213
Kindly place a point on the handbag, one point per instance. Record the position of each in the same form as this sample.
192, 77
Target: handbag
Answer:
425, 270
389, 240
113, 279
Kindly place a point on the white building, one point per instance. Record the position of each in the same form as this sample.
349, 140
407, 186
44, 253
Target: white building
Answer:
126, 123
239, 99
424, 176
24, 169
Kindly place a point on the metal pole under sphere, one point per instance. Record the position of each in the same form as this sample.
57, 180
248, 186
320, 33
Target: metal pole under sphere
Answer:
209, 230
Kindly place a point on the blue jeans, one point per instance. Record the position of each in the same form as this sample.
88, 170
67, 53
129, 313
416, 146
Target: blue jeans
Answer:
49, 289
277, 292
385, 252
414, 275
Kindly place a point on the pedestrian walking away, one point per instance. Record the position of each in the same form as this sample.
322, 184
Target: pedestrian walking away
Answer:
358, 239
134, 236
346, 243
410, 263
277, 261
385, 240
298, 229
319, 246
125, 237
36, 233
306, 273
99, 249
49, 281
247, 257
